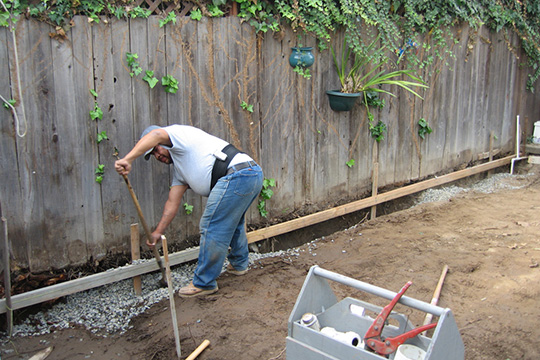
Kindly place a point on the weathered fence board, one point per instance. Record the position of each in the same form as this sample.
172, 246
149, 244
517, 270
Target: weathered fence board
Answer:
59, 215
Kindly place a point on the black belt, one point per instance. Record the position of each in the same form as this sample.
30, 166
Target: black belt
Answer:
240, 166
220, 166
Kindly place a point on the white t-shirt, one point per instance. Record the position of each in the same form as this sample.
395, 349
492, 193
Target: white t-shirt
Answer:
193, 156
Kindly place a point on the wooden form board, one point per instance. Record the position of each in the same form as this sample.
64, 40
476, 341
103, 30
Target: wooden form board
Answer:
92, 281
129, 271
316, 218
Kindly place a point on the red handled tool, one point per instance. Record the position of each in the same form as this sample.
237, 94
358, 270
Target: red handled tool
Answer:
373, 339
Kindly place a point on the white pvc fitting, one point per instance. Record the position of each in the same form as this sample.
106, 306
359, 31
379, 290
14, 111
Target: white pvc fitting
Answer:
349, 337
409, 352
311, 321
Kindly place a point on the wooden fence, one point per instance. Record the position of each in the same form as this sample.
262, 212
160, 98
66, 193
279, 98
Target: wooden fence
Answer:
58, 215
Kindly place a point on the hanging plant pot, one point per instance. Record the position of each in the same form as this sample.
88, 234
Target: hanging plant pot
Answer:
301, 56
340, 101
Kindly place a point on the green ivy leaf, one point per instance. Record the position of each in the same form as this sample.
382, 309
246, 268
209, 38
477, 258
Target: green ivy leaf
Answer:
247, 106
150, 79
188, 208
9, 102
261, 206
170, 84
102, 136
97, 113
171, 17
196, 15
4, 19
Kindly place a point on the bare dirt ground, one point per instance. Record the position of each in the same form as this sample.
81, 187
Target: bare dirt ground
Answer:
491, 243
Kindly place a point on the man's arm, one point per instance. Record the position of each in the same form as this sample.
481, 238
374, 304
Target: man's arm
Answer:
147, 142
169, 212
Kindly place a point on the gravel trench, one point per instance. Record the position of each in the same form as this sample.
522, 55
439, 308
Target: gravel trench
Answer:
109, 309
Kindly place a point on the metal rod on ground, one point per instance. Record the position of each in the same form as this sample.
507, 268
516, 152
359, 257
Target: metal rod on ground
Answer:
374, 178
136, 255
518, 144
198, 350
171, 295
7, 277
436, 295
374, 189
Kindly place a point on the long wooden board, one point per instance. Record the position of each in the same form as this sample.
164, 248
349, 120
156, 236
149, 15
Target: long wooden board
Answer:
321, 216
92, 281
70, 287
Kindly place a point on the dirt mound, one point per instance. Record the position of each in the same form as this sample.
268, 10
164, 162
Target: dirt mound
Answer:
490, 241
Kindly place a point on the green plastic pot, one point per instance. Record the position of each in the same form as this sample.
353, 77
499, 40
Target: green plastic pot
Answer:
340, 101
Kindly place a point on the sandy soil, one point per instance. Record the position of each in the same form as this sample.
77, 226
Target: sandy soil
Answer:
490, 242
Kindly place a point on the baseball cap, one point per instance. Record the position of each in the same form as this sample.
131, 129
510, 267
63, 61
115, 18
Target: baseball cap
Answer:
146, 131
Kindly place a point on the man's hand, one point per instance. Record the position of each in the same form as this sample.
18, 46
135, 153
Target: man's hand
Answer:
156, 237
122, 166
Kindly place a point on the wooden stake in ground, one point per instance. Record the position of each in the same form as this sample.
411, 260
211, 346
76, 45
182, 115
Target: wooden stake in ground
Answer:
171, 295
43, 354
136, 255
198, 350
436, 294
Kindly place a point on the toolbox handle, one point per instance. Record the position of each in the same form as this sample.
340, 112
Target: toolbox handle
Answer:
375, 290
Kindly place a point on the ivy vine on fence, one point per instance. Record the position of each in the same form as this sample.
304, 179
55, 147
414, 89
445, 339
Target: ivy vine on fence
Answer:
400, 23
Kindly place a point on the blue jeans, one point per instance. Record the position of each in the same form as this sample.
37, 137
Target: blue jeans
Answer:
222, 225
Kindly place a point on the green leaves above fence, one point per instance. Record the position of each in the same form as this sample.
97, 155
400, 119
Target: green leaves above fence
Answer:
169, 82
400, 23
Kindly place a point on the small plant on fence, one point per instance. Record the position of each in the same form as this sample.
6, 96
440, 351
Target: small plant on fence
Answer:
133, 63
150, 78
9, 102
302, 72
171, 17
423, 128
188, 208
377, 131
373, 99
350, 163
102, 136
170, 84
266, 194
196, 14
100, 171
248, 107
97, 113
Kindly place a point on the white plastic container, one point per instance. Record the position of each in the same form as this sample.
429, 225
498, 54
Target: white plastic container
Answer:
536, 133
409, 352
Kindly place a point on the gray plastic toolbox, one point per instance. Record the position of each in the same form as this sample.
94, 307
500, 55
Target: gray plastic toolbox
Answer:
317, 297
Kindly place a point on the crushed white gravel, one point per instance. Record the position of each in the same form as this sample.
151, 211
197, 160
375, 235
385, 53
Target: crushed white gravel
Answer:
488, 185
109, 309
